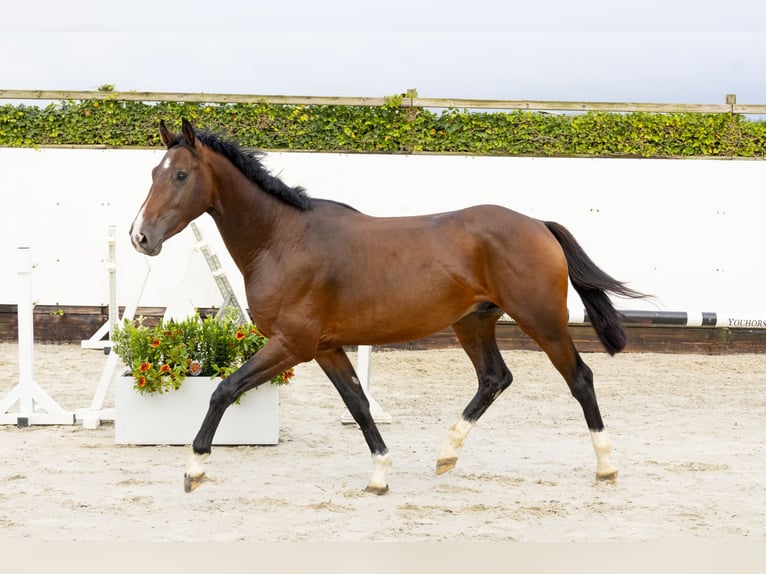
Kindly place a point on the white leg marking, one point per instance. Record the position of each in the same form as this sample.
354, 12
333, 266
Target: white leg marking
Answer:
194, 465
380, 464
456, 436
603, 448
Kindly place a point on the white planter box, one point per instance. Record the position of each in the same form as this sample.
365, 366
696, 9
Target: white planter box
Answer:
175, 417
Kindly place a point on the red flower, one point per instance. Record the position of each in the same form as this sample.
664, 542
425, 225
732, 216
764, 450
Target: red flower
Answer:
144, 367
164, 368
240, 335
142, 382
156, 343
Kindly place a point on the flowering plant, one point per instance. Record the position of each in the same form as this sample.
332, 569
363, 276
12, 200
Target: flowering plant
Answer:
161, 357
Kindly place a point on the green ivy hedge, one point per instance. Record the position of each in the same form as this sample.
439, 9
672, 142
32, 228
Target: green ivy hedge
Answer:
390, 128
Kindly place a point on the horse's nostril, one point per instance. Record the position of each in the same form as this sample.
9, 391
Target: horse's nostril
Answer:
139, 239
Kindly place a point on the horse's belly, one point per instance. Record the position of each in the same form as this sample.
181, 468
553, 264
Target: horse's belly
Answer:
397, 323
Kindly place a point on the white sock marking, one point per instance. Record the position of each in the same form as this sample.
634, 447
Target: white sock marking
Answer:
194, 465
380, 464
456, 436
603, 448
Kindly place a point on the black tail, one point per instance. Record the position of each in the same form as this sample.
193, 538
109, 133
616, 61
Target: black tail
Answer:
592, 284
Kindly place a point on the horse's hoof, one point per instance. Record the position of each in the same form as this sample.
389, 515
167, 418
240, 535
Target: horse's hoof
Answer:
445, 464
192, 482
372, 489
610, 476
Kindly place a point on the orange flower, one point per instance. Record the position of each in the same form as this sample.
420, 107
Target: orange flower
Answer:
142, 382
164, 368
144, 367
240, 335
156, 343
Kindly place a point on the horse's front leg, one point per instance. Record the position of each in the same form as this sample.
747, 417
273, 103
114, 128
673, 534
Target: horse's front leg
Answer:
338, 368
269, 362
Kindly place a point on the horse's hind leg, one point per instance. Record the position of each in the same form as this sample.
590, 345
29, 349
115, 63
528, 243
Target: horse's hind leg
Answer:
476, 333
338, 368
557, 344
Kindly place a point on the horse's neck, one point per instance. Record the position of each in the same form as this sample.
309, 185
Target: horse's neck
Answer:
247, 218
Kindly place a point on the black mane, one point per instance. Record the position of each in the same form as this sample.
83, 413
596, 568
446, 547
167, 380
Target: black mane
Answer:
249, 164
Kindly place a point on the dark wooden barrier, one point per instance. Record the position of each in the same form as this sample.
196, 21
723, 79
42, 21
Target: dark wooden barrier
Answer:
72, 324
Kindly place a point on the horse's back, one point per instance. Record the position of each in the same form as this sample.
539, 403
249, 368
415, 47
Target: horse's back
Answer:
477, 219
498, 235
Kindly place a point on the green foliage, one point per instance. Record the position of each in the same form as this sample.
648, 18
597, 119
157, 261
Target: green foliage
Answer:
390, 128
161, 357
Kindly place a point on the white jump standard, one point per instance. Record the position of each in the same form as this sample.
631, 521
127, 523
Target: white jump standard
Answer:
36, 407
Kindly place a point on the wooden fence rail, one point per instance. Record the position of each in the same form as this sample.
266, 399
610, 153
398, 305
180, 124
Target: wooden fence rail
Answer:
408, 99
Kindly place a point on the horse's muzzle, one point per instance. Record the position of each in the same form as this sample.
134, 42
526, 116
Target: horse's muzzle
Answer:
142, 244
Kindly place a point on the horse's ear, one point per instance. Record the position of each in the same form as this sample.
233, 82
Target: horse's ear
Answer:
188, 130
165, 134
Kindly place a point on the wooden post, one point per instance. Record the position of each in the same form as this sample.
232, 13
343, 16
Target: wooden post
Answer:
731, 101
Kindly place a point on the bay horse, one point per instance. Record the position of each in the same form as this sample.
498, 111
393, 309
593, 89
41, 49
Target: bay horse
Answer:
320, 275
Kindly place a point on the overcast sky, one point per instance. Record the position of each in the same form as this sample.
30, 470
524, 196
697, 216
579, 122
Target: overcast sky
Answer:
685, 51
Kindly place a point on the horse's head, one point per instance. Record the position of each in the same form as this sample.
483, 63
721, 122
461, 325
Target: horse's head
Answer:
181, 191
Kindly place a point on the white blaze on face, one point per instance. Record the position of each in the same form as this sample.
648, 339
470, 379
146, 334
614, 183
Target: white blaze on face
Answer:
138, 223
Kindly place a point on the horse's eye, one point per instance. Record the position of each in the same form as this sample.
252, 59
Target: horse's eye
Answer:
181, 175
